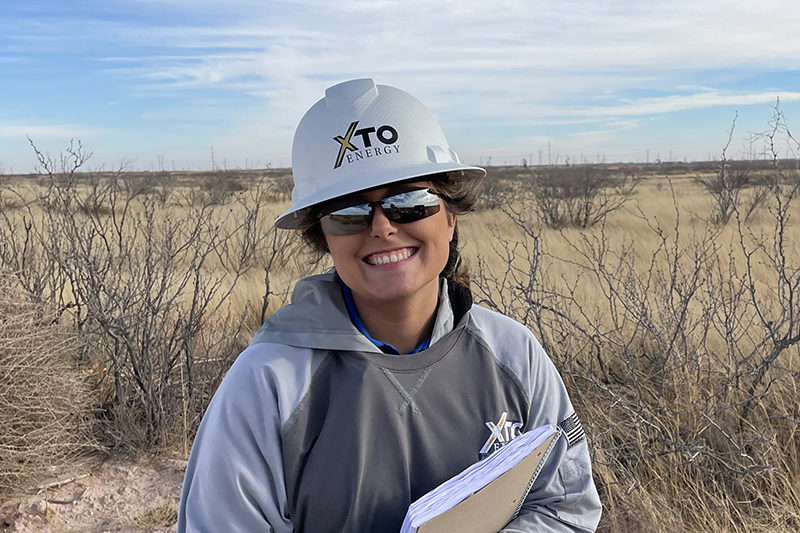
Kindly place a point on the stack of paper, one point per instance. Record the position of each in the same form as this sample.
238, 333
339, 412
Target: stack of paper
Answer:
487, 495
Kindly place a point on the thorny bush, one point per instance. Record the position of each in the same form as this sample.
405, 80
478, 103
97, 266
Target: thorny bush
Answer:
579, 196
684, 368
144, 270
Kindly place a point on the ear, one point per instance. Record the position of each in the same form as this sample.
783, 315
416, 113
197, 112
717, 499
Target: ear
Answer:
451, 225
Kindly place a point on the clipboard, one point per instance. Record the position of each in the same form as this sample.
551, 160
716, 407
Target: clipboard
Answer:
498, 502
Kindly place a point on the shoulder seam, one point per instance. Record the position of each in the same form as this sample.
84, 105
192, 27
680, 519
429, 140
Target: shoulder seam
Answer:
505, 368
304, 398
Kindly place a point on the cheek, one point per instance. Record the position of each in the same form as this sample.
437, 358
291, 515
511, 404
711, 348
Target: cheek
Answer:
440, 236
444, 228
340, 246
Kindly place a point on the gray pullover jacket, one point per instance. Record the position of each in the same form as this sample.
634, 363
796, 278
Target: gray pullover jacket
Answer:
314, 429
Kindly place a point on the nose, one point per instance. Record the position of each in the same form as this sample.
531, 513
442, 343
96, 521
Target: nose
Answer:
381, 227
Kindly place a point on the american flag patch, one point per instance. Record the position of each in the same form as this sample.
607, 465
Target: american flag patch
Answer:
572, 429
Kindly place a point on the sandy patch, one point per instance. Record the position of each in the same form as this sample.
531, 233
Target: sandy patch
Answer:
115, 497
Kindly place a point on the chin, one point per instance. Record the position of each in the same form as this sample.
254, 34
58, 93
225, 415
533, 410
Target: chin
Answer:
393, 290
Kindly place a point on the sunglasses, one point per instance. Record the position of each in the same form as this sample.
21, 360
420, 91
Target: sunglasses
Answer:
401, 208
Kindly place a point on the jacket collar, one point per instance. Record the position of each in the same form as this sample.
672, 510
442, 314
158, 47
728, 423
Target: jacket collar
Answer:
317, 317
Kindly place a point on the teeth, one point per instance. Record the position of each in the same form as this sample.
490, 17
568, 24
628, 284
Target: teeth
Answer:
392, 257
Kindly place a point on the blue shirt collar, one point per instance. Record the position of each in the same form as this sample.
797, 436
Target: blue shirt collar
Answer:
353, 312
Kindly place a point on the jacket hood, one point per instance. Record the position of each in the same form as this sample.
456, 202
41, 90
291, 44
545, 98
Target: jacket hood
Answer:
317, 318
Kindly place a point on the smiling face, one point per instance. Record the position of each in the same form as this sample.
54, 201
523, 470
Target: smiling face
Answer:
389, 261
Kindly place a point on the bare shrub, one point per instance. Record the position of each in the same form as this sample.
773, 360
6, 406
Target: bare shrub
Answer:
279, 186
745, 186
725, 187
680, 353
9, 202
221, 185
45, 402
732, 186
579, 196
495, 186
145, 273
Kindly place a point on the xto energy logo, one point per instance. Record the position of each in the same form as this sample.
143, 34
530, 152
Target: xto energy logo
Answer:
502, 433
386, 134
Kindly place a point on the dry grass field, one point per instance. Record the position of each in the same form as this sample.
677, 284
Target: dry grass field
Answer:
677, 336
678, 341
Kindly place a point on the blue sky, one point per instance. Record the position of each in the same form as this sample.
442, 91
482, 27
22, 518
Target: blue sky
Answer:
145, 81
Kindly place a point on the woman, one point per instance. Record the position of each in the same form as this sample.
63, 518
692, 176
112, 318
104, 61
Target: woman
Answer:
321, 424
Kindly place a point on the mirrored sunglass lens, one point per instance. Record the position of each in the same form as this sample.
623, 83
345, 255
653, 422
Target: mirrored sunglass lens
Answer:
361, 210
402, 208
346, 221
411, 199
410, 206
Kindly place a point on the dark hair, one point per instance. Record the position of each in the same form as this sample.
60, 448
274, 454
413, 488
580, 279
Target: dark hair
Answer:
460, 196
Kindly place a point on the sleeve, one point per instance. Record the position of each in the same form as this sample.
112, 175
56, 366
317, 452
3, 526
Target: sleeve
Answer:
564, 497
234, 479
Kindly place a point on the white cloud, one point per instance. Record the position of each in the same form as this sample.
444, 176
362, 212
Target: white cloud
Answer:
568, 36
510, 62
510, 59
510, 49
670, 104
48, 131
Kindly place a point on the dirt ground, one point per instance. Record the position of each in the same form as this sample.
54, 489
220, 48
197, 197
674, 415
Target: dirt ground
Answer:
104, 496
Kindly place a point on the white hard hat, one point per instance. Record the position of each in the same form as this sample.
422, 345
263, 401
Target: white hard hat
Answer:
362, 136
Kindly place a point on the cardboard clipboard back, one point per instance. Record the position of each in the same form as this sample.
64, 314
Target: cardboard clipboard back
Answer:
490, 509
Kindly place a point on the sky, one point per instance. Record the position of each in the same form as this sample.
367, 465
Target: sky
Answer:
187, 84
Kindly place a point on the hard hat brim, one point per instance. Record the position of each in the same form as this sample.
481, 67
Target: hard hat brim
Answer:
293, 218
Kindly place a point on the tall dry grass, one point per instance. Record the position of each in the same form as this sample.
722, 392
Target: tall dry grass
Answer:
675, 335
45, 407
678, 340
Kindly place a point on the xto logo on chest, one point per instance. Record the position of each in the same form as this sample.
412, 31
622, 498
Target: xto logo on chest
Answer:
386, 134
501, 434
